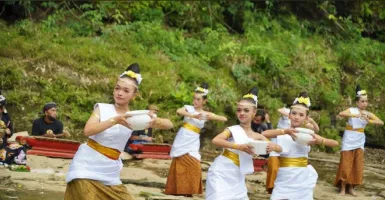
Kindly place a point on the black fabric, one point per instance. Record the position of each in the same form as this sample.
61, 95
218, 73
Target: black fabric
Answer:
7, 120
40, 127
259, 128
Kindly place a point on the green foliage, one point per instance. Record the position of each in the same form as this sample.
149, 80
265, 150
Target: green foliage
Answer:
74, 54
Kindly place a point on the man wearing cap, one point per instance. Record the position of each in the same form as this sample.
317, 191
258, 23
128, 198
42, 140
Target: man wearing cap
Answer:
48, 125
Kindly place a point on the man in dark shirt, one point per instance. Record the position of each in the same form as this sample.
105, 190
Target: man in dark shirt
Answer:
258, 125
48, 125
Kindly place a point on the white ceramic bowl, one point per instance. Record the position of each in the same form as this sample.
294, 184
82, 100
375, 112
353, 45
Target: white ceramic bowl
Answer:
139, 120
304, 135
259, 146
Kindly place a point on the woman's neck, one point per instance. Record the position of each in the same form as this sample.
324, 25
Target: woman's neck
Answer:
121, 107
198, 108
246, 126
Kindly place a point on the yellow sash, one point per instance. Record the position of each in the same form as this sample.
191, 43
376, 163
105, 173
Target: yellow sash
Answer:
292, 162
191, 127
350, 128
232, 156
107, 151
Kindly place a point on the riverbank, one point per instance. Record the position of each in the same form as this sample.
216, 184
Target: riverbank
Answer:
144, 178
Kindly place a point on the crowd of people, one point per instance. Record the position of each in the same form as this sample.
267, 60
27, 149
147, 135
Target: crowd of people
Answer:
95, 170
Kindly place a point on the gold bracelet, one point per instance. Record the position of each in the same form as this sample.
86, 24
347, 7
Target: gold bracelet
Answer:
113, 121
323, 141
235, 145
282, 131
370, 121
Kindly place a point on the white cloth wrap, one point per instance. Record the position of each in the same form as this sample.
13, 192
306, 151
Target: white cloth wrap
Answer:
187, 141
90, 164
294, 183
353, 139
225, 180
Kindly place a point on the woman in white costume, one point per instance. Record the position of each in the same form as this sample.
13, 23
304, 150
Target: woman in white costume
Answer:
273, 161
226, 176
185, 174
351, 168
295, 179
94, 173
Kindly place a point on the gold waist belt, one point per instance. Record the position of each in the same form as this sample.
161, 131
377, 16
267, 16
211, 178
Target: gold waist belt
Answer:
292, 162
232, 156
350, 128
191, 127
107, 151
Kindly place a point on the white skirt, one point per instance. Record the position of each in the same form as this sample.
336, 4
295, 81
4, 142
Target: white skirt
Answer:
186, 141
295, 183
225, 181
90, 164
352, 140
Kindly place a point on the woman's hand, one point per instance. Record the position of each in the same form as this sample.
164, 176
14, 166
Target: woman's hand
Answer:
270, 147
8, 131
246, 148
122, 120
291, 132
316, 139
153, 118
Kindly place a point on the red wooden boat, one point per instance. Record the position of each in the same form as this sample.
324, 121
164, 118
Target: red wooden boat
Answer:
50, 147
151, 150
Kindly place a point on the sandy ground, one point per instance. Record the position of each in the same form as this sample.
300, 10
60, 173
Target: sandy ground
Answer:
47, 179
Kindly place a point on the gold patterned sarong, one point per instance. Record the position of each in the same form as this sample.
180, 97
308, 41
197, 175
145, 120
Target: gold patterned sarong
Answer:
87, 189
185, 176
351, 168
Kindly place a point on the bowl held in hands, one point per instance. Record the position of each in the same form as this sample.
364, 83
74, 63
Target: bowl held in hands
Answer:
259, 146
304, 135
139, 120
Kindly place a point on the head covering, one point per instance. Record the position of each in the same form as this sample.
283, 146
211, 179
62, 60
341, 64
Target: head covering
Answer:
133, 72
3, 101
253, 95
302, 99
153, 107
203, 89
48, 106
360, 92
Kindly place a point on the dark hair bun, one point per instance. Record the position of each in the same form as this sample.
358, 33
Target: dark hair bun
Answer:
358, 88
205, 86
303, 94
134, 67
254, 91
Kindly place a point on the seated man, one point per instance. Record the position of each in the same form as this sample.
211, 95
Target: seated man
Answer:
258, 124
145, 136
48, 125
